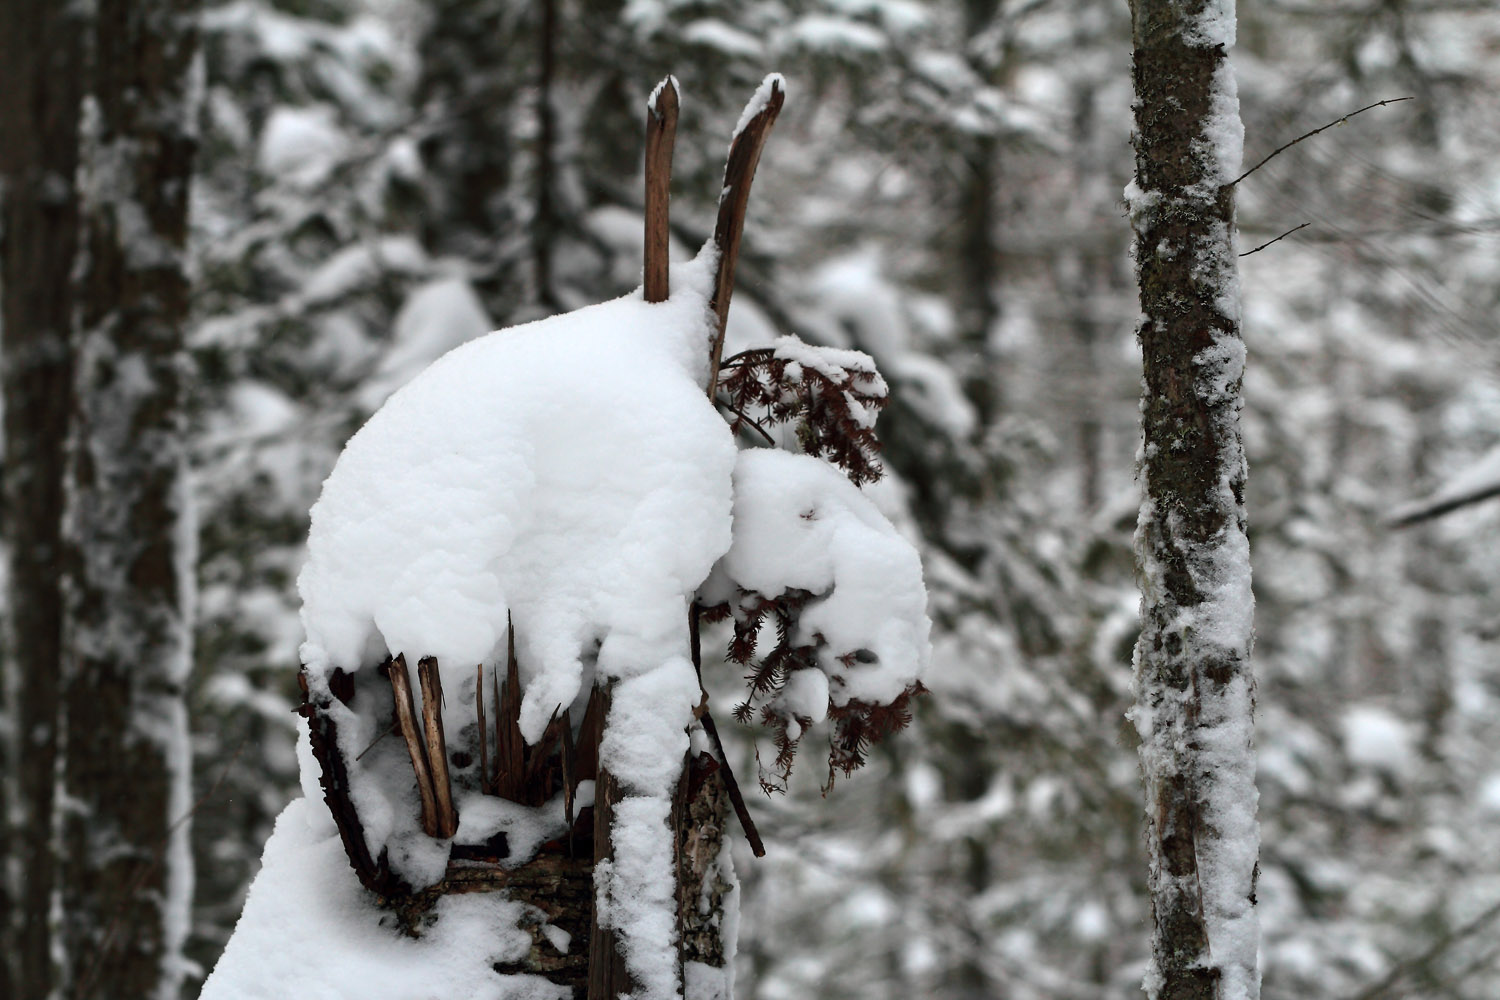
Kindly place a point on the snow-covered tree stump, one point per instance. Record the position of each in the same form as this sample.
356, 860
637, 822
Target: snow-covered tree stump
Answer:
502, 674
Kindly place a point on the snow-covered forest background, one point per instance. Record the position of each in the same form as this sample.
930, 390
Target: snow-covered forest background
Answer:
379, 181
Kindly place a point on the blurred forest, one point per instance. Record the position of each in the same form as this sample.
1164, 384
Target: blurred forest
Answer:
378, 181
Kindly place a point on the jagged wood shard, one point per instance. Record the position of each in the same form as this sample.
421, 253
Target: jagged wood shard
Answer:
661, 133
744, 157
406, 717
485, 785
437, 746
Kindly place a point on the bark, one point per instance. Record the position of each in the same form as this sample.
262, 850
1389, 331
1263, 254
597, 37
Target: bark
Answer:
125, 873
1193, 677
39, 76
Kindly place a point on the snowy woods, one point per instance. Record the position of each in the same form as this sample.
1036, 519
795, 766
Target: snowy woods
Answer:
1048, 320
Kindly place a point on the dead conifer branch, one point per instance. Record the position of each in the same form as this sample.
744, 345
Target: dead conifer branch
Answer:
1276, 240
661, 132
437, 745
711, 730
739, 171
1308, 135
406, 718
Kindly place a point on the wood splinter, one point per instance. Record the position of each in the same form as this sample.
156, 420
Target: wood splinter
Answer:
437, 746
485, 785
406, 718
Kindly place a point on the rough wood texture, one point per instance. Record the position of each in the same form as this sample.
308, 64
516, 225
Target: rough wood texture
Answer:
510, 747
40, 76
701, 887
1193, 687
711, 730
607, 975
436, 741
373, 873
661, 133
486, 782
406, 718
744, 157
560, 888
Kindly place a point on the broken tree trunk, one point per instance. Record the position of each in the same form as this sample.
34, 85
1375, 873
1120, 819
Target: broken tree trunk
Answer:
559, 880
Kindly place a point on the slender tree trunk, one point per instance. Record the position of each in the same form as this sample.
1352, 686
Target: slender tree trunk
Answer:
1194, 685
125, 871
39, 76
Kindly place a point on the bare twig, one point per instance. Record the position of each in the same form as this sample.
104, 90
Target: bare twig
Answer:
406, 718
741, 811
437, 745
744, 156
1308, 135
373, 743
747, 419
1383, 985
1426, 511
661, 131
1276, 240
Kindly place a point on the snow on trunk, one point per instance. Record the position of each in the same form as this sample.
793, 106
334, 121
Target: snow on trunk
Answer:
125, 870
1193, 680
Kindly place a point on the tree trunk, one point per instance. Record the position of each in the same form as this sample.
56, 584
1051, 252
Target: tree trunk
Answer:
1194, 686
124, 869
39, 76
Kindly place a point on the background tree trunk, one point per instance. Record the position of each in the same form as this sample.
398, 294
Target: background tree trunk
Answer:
39, 76
124, 870
1194, 688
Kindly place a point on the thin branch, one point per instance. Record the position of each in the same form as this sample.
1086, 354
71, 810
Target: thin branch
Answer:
731, 786
1309, 135
661, 132
1276, 240
747, 419
1426, 958
739, 171
373, 743
1428, 510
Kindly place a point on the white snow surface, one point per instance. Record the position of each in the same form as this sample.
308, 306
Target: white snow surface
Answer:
570, 481
569, 473
799, 524
309, 930
435, 318
1378, 739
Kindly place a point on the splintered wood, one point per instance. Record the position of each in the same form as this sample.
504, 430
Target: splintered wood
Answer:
558, 880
